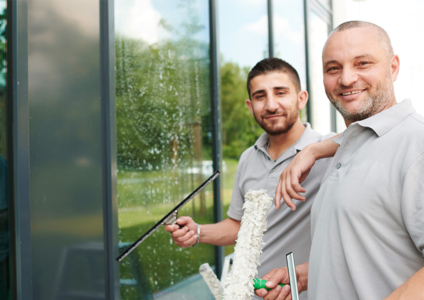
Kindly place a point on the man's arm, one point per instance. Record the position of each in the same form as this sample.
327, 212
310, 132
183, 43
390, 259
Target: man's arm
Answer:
223, 233
413, 288
296, 172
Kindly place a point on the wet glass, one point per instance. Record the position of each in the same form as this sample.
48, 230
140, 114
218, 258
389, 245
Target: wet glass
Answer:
4, 165
321, 108
289, 37
164, 141
243, 41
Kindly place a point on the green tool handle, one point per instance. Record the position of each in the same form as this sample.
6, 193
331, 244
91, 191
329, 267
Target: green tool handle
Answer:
260, 284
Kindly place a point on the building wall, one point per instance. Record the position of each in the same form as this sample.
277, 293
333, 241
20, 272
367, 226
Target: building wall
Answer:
115, 116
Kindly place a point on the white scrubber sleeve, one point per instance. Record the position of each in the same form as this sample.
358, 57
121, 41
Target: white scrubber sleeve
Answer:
249, 246
212, 281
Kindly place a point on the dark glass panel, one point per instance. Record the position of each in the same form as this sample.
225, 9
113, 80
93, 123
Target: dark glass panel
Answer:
68, 257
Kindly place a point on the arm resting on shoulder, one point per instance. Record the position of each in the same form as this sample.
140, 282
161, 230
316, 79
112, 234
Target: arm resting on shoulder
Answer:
296, 172
413, 288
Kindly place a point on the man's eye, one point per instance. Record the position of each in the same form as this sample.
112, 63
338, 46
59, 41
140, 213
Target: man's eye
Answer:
364, 63
332, 69
259, 96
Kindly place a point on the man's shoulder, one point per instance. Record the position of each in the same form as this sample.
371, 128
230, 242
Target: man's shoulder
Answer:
413, 126
419, 119
248, 153
316, 136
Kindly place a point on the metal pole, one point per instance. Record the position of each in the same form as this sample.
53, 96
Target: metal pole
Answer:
110, 203
22, 262
270, 29
215, 80
308, 79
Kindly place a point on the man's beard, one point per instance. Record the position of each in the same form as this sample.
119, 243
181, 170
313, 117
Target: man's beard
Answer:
373, 104
269, 128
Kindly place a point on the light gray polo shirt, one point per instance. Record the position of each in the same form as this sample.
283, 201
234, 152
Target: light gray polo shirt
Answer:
287, 231
368, 217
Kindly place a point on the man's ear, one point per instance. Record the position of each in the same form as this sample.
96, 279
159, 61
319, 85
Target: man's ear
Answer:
302, 97
249, 106
394, 67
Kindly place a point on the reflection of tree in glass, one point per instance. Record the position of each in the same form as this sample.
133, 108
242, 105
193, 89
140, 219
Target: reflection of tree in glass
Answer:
162, 92
163, 134
240, 130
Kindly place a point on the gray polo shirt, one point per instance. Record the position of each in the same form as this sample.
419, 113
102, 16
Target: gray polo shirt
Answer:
368, 217
287, 230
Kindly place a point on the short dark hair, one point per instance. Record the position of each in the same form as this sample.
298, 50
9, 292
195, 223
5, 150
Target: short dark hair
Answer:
273, 64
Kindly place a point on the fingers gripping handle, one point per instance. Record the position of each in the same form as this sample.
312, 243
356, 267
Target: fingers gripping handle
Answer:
260, 284
172, 219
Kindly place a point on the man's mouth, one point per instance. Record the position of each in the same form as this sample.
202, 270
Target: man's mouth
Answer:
273, 116
352, 92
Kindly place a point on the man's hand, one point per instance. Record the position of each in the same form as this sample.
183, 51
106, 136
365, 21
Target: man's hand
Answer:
281, 275
186, 236
294, 174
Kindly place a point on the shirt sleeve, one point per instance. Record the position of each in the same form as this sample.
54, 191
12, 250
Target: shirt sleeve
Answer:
235, 211
413, 202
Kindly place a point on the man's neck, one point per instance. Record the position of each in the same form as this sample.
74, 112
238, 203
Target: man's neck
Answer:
278, 144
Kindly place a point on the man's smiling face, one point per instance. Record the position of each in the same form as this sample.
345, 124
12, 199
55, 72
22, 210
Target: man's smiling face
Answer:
358, 73
275, 102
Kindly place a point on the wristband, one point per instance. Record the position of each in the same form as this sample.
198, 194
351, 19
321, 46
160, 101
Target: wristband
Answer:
198, 235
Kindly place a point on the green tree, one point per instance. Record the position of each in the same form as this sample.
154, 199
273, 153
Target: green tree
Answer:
240, 130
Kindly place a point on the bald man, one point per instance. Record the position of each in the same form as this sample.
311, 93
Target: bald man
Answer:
368, 217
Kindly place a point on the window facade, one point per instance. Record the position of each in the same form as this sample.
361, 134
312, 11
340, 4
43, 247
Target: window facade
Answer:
115, 112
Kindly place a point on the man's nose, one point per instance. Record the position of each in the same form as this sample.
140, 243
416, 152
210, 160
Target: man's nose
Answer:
348, 77
271, 103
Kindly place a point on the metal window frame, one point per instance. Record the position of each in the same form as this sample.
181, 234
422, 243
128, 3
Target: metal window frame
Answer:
109, 157
215, 84
21, 246
326, 14
270, 28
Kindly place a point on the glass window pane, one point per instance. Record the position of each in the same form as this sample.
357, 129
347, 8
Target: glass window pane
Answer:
289, 37
243, 41
164, 141
243, 31
326, 3
320, 105
4, 165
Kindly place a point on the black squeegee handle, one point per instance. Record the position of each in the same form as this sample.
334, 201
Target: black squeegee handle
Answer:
169, 215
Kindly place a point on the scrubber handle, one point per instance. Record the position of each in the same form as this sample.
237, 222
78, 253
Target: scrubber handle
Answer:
260, 284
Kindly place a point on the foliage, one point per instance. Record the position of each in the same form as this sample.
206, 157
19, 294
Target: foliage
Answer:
162, 95
240, 130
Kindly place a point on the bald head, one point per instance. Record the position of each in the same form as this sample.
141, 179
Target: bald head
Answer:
382, 36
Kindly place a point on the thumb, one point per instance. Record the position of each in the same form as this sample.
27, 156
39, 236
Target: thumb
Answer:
184, 220
279, 275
